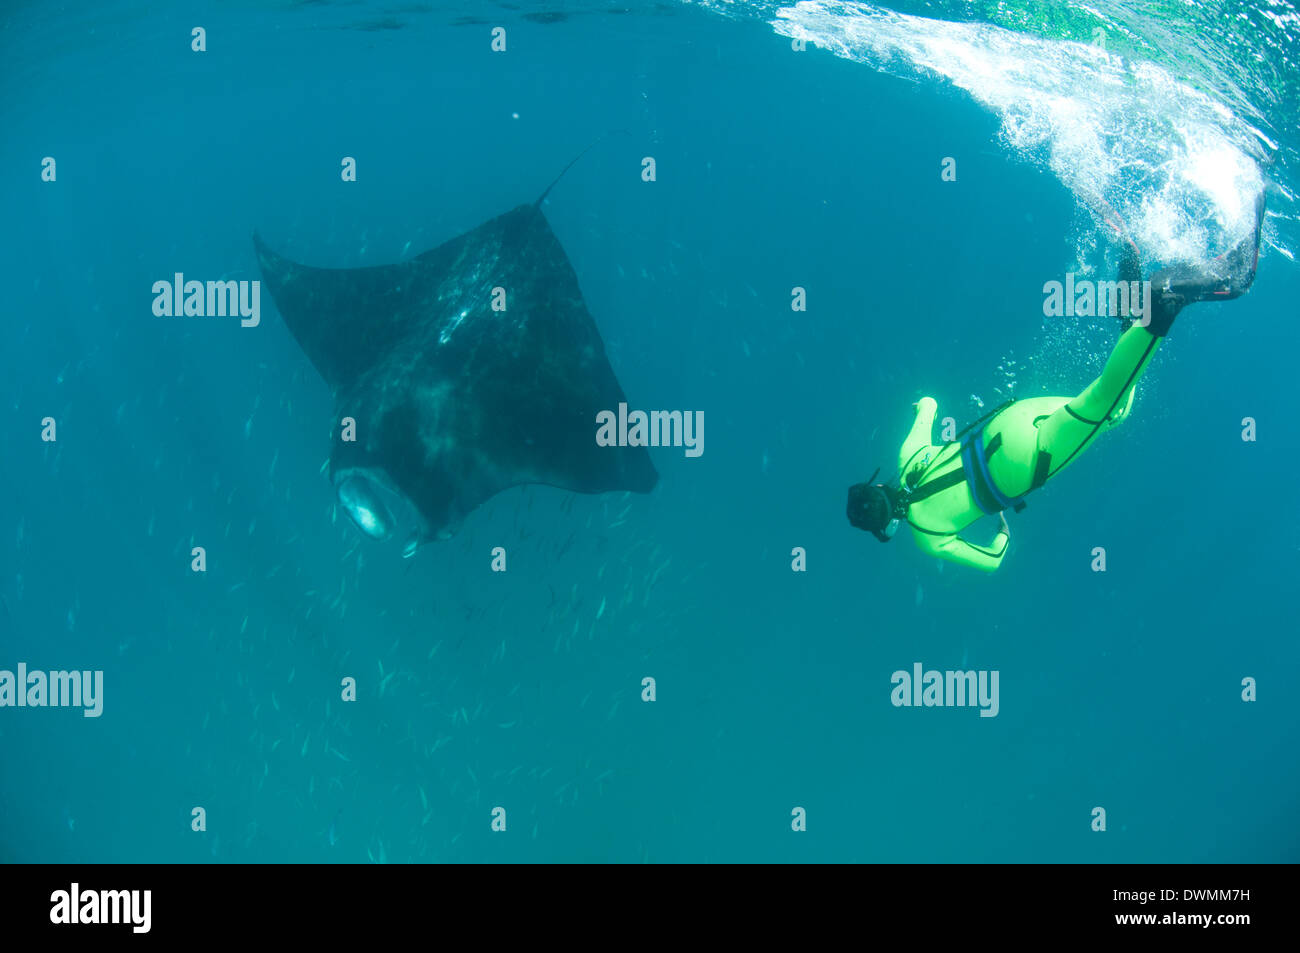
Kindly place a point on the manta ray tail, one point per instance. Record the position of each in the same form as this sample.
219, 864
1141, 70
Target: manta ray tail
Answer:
598, 140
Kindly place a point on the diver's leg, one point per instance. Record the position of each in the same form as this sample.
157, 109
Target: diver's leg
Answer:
1068, 430
1127, 362
1113, 390
1107, 399
918, 438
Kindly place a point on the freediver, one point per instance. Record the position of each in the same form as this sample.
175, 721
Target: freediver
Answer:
1020, 445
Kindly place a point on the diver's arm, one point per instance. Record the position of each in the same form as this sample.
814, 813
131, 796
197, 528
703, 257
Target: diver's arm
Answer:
918, 438
957, 550
968, 554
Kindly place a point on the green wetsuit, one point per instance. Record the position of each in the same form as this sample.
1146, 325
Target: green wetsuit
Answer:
1059, 426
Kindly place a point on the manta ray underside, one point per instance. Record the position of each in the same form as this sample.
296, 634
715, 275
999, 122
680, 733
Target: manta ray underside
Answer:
452, 400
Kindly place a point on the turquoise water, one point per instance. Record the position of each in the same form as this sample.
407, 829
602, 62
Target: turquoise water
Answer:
776, 168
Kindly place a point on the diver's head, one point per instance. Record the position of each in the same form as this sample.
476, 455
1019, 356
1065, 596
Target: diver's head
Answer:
872, 508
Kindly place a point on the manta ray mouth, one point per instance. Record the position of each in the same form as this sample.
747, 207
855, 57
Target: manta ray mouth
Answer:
377, 507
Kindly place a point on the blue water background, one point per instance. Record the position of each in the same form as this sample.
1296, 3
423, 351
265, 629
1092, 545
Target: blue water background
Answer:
775, 169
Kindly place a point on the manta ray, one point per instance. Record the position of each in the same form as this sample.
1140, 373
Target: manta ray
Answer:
469, 369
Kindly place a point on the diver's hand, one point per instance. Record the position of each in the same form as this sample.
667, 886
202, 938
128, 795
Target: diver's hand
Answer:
1002, 525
